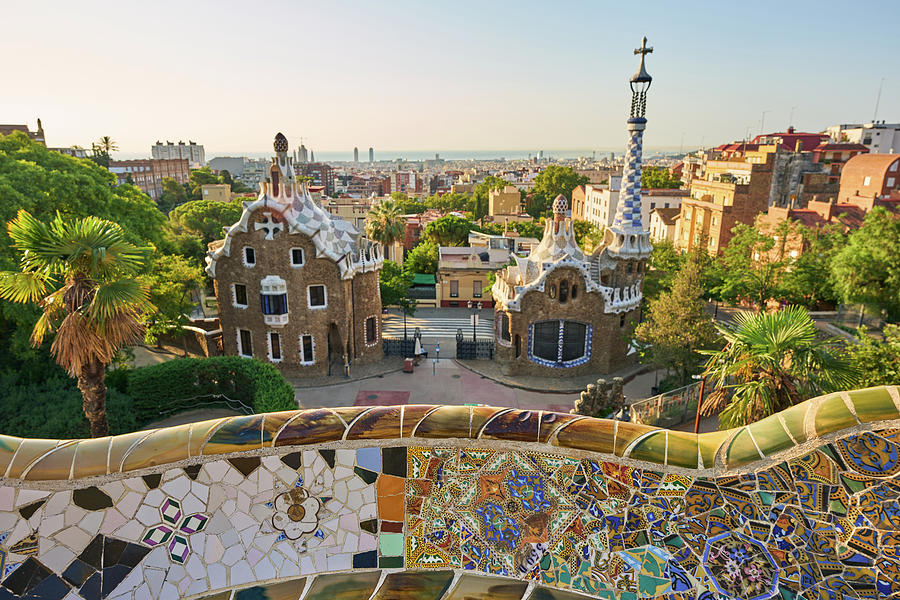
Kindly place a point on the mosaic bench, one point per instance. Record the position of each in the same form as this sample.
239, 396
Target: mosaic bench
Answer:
462, 503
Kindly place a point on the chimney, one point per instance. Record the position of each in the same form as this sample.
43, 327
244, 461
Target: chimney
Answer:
790, 129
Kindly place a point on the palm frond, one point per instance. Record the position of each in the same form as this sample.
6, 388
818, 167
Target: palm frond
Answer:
91, 245
114, 297
26, 286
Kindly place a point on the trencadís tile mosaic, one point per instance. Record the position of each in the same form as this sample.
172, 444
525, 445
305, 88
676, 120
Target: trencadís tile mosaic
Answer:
405, 506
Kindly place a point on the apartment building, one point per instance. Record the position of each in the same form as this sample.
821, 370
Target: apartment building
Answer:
734, 189
148, 173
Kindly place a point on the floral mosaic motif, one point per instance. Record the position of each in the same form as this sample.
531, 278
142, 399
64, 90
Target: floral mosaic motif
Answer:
740, 567
821, 525
296, 513
175, 529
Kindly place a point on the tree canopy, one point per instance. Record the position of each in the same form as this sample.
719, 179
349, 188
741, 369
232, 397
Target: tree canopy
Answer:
423, 258
550, 183
867, 270
656, 178
677, 326
449, 231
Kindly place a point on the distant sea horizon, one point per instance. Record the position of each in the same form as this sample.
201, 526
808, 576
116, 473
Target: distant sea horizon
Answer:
419, 155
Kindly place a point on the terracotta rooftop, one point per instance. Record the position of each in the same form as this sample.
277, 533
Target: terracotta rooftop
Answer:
667, 215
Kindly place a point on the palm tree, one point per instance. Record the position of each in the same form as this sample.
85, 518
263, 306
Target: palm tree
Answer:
80, 274
385, 223
770, 362
106, 144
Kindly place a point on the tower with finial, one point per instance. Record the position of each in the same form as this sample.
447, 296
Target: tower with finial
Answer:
560, 310
628, 237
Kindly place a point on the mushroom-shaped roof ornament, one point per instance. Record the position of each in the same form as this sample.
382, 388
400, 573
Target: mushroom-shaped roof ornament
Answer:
560, 205
281, 143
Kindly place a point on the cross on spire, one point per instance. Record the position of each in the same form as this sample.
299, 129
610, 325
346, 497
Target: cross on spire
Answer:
643, 49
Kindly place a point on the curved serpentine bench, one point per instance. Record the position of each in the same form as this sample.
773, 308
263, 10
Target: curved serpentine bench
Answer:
458, 502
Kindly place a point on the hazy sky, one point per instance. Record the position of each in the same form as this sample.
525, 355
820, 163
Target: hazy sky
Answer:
441, 75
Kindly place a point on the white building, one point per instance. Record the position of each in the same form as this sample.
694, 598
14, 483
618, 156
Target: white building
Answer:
600, 202
879, 137
193, 152
663, 223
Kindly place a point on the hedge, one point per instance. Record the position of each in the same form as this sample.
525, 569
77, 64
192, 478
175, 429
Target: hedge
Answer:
52, 409
184, 383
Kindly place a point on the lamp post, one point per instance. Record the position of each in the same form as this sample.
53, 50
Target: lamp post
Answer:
702, 379
474, 307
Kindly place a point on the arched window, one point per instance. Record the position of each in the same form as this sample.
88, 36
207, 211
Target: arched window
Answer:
628, 268
274, 173
558, 343
503, 328
553, 291
563, 291
371, 330
574, 291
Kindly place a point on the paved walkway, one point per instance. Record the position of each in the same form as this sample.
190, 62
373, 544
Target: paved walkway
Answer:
389, 364
563, 384
442, 383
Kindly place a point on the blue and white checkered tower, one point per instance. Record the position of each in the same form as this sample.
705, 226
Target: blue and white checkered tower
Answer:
628, 236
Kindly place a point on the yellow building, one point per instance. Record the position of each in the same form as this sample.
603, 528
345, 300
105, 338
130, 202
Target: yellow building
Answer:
463, 274
507, 201
218, 192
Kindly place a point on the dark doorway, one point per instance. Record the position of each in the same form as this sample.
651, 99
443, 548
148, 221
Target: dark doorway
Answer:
335, 351
518, 346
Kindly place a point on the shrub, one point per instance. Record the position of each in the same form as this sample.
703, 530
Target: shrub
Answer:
177, 385
52, 409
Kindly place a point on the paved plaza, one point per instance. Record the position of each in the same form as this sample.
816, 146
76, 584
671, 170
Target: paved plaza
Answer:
446, 382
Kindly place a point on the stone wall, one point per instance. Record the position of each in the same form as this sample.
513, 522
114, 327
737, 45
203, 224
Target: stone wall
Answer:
461, 502
610, 332
349, 302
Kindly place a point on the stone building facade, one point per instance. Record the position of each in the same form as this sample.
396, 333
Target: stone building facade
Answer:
558, 309
296, 286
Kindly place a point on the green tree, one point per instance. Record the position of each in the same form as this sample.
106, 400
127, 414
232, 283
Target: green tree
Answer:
408, 206
866, 270
550, 183
752, 264
770, 362
587, 235
394, 282
171, 281
877, 361
81, 274
449, 202
677, 325
44, 183
665, 262
658, 178
199, 178
807, 279
173, 194
385, 224
449, 231
194, 224
423, 258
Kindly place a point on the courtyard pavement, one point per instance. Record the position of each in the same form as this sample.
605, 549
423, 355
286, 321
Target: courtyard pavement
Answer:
447, 382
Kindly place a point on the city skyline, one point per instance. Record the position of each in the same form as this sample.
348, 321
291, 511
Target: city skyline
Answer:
519, 77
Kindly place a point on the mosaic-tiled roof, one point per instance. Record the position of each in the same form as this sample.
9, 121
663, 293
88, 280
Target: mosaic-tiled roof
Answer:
334, 238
